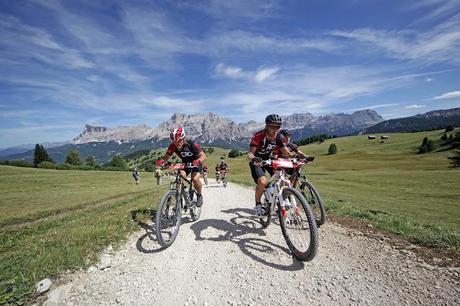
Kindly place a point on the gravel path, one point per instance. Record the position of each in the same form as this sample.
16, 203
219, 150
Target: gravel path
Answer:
226, 258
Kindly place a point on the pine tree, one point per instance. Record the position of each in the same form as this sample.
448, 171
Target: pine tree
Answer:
455, 160
73, 158
40, 155
37, 155
91, 161
119, 162
332, 149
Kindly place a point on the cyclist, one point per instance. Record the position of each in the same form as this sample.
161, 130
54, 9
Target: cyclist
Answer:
293, 149
262, 145
223, 168
136, 175
204, 171
189, 152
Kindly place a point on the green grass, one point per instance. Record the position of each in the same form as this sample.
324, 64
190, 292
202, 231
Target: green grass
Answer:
418, 194
52, 221
72, 222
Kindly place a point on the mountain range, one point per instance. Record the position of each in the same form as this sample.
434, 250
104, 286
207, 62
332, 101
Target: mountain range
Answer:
212, 129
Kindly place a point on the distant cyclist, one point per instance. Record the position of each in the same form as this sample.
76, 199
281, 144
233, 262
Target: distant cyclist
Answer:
189, 152
223, 169
204, 171
262, 145
136, 175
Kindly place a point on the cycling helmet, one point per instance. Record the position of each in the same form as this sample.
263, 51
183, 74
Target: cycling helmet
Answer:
177, 134
273, 119
285, 132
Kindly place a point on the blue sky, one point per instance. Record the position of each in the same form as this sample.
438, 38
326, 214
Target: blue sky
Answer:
111, 63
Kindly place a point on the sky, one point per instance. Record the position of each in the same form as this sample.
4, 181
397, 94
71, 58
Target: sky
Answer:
67, 63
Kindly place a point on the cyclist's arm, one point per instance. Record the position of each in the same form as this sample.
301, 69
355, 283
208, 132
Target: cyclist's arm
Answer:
251, 152
166, 157
285, 152
301, 154
202, 156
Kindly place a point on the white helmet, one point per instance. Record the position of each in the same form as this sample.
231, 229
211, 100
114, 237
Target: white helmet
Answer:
177, 134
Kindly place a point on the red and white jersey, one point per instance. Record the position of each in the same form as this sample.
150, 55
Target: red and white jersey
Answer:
265, 146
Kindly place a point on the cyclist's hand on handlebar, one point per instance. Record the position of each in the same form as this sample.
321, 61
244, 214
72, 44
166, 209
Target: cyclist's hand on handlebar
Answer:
309, 158
160, 162
196, 162
257, 161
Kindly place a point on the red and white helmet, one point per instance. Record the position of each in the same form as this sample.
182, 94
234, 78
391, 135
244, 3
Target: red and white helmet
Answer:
177, 134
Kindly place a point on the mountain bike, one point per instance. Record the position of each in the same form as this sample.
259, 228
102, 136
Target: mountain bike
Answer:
310, 193
223, 175
181, 197
296, 218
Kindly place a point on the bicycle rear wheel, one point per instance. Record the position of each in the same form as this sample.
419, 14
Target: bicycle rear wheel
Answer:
314, 200
168, 218
298, 225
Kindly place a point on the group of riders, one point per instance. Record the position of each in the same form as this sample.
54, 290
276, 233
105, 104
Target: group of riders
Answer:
269, 143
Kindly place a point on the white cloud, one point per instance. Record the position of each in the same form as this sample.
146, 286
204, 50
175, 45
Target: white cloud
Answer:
229, 71
428, 79
440, 44
414, 106
375, 106
262, 74
437, 8
265, 73
448, 95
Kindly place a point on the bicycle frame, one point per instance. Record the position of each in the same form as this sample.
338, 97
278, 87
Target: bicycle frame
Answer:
179, 183
279, 182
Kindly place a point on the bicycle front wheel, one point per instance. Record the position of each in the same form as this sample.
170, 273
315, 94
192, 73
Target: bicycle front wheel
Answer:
168, 219
266, 219
298, 225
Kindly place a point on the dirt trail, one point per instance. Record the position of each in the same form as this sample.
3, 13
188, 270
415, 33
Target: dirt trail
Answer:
226, 258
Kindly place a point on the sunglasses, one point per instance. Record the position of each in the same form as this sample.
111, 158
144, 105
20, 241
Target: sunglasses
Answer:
274, 127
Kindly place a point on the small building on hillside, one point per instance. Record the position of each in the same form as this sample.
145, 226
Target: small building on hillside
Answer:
371, 137
384, 137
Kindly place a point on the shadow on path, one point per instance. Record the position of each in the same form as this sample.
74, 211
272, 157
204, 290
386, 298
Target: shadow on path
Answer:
235, 230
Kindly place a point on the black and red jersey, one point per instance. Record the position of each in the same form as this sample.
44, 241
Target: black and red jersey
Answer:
264, 146
189, 152
292, 147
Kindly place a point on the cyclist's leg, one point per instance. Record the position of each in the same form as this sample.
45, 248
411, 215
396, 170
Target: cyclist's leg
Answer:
197, 184
196, 181
258, 175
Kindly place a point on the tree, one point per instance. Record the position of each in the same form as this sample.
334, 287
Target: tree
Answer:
90, 161
449, 128
426, 146
40, 155
234, 153
149, 167
119, 162
73, 158
332, 149
455, 160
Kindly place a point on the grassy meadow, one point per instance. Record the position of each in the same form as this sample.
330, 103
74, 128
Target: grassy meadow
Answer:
52, 221
388, 184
